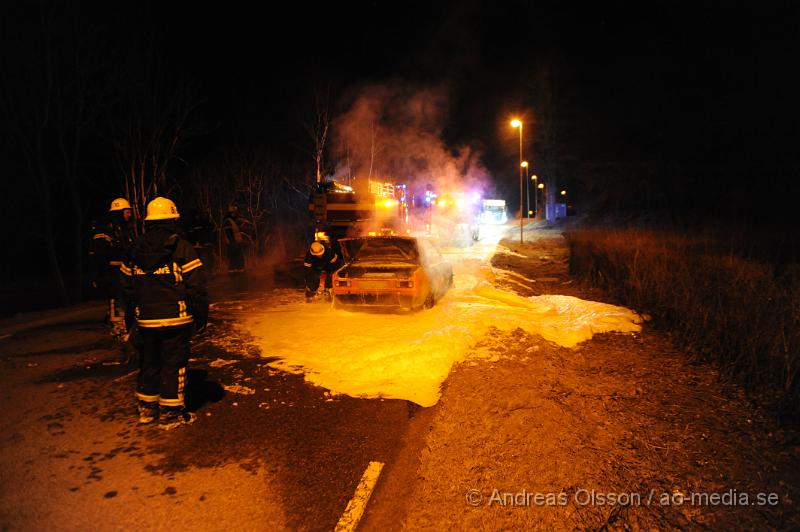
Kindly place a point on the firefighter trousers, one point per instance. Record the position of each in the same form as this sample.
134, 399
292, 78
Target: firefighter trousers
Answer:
235, 258
162, 365
313, 277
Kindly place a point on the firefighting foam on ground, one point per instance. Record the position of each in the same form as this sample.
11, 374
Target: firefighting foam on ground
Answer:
409, 355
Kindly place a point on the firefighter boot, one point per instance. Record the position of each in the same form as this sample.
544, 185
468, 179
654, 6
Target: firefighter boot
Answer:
172, 417
148, 411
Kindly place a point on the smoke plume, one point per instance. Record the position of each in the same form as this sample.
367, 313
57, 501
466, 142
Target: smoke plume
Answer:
394, 133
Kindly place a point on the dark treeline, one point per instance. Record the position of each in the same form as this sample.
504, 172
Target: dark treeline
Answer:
700, 128
96, 105
665, 115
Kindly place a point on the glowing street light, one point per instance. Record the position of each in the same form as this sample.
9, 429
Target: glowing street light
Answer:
518, 123
534, 178
541, 187
527, 194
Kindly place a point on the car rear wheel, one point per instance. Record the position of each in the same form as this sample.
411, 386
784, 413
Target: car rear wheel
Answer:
429, 301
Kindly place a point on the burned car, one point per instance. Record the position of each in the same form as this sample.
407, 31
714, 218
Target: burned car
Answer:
391, 271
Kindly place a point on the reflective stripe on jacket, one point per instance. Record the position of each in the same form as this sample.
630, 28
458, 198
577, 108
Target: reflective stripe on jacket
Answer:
328, 261
171, 291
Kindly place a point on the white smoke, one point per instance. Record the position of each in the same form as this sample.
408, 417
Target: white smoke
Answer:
394, 133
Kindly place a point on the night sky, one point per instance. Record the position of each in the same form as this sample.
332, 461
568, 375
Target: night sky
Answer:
666, 62
699, 93
663, 112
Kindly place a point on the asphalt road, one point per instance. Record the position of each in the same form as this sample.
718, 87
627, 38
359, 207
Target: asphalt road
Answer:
269, 452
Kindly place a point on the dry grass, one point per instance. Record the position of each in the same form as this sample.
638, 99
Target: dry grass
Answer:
619, 414
737, 312
623, 415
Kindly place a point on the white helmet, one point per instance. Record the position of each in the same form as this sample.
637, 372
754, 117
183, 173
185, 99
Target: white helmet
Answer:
119, 204
317, 249
161, 209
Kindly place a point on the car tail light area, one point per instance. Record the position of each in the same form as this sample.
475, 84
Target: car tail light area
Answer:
405, 281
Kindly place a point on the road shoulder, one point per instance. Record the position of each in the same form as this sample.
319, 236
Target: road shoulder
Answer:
621, 431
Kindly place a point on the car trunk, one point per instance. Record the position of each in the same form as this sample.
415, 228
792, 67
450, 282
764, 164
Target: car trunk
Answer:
377, 271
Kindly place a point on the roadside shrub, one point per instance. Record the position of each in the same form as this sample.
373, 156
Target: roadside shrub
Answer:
740, 313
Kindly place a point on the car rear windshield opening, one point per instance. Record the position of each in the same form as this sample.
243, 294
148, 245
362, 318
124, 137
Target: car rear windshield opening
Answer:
387, 249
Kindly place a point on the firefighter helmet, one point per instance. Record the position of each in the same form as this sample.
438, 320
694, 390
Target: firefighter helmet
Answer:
161, 209
119, 204
317, 249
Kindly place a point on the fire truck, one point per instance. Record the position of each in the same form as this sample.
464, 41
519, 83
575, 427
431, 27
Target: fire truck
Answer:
338, 210
454, 216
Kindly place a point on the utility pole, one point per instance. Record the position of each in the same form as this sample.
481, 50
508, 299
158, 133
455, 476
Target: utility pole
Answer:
518, 123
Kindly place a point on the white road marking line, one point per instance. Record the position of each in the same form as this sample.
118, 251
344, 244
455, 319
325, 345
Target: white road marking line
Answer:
126, 376
355, 508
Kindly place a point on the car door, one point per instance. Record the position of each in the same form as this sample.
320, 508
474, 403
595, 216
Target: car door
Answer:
436, 266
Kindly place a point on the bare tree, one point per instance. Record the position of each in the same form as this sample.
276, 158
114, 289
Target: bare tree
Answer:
349, 164
375, 147
155, 125
50, 104
319, 126
260, 187
77, 107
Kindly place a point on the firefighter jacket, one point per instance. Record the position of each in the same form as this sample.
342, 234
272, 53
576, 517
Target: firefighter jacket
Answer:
329, 261
164, 281
111, 244
232, 232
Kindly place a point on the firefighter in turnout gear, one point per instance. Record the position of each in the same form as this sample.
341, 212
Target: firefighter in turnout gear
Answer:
111, 243
164, 283
320, 258
235, 239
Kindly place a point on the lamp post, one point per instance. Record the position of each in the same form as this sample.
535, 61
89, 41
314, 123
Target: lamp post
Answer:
518, 123
527, 194
535, 178
541, 187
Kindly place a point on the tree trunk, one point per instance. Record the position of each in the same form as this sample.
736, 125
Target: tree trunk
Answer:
47, 225
77, 228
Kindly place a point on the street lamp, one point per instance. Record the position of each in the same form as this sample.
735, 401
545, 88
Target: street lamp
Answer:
541, 187
518, 123
527, 194
534, 178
